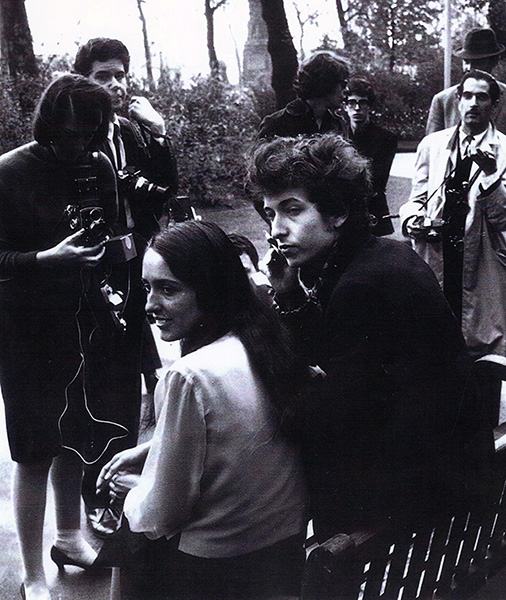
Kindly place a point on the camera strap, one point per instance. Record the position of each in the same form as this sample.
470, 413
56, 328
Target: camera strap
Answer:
135, 129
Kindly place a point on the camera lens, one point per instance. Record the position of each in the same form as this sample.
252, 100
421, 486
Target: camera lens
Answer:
95, 215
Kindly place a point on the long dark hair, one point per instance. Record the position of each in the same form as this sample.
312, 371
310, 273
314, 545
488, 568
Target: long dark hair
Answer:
202, 256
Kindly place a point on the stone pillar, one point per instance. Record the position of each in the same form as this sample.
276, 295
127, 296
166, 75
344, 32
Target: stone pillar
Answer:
256, 60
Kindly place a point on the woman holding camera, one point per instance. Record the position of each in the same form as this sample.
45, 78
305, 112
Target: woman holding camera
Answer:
48, 328
221, 493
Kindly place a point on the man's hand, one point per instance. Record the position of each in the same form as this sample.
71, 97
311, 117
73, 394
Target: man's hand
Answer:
486, 161
416, 228
141, 110
283, 278
72, 251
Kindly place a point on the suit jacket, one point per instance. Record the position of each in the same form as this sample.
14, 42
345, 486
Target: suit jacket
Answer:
444, 110
380, 146
157, 163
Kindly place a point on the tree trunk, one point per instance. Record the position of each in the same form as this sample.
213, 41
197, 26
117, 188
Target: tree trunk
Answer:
147, 49
497, 19
16, 39
343, 24
282, 51
214, 63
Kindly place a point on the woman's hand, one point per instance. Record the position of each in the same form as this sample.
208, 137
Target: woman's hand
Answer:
72, 251
123, 469
122, 483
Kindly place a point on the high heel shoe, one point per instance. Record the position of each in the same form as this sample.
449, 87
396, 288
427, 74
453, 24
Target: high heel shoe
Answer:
22, 591
61, 559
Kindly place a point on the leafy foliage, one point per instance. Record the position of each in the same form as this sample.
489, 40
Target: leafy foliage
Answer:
212, 125
399, 28
18, 99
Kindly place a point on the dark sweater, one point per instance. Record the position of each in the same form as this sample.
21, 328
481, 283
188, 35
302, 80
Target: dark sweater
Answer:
396, 421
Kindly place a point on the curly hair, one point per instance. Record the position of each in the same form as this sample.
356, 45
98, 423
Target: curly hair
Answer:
102, 50
319, 75
71, 96
327, 167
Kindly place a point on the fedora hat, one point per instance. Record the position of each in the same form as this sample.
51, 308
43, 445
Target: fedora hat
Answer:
479, 43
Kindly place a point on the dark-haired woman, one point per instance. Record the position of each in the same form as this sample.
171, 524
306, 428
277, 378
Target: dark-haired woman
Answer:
221, 489
47, 328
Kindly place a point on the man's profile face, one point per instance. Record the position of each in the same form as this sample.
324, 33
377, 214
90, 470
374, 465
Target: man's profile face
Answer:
334, 100
110, 75
475, 105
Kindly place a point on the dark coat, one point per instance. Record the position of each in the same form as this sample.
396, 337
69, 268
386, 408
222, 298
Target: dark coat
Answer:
380, 146
297, 118
396, 422
156, 162
56, 338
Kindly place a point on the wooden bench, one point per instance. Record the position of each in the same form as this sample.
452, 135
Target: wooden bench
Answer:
449, 559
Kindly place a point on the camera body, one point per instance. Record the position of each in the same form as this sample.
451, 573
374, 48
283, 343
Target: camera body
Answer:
432, 229
85, 211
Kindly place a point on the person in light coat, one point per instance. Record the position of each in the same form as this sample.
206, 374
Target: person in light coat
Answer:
474, 276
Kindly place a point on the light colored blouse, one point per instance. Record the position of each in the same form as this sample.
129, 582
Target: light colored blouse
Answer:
217, 470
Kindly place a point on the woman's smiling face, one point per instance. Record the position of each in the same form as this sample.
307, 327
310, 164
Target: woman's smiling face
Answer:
172, 303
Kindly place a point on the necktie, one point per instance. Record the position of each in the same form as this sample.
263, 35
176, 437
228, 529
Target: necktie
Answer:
467, 146
120, 163
116, 140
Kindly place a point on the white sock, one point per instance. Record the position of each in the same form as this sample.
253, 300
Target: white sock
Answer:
72, 543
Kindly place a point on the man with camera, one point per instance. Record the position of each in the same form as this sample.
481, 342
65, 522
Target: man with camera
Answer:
139, 142
456, 218
143, 158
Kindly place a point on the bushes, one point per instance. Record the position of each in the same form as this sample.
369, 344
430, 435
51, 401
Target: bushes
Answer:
212, 125
403, 98
18, 100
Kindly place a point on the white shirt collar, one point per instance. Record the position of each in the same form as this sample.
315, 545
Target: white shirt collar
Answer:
477, 139
110, 132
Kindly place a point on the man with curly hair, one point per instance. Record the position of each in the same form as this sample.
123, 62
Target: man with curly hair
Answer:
394, 426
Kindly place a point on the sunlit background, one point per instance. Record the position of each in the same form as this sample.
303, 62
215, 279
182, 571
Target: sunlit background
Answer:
176, 29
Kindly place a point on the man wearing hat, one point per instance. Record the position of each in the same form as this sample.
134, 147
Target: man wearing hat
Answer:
480, 51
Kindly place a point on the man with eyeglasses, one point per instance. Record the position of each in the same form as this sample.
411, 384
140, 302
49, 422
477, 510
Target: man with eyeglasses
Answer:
320, 84
456, 218
375, 143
